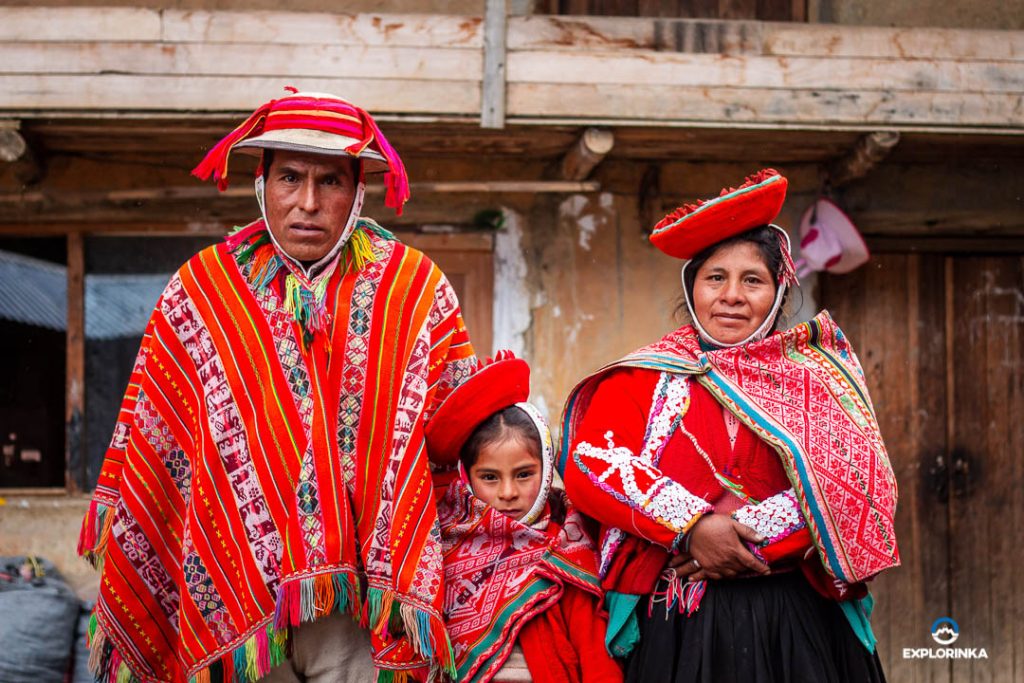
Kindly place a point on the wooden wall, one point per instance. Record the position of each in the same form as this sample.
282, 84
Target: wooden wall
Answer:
583, 69
940, 337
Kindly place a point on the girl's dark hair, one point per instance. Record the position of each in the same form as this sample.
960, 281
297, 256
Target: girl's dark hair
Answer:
767, 241
508, 423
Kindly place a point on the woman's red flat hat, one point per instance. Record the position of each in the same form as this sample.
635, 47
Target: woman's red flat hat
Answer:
498, 384
692, 228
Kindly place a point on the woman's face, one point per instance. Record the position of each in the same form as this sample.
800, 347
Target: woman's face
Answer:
733, 292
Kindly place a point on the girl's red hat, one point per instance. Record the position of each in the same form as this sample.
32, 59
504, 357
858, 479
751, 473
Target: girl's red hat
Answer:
692, 228
497, 384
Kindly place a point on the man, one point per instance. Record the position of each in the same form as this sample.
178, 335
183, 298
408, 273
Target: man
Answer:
267, 470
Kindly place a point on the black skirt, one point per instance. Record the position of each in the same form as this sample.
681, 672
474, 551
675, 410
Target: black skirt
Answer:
775, 629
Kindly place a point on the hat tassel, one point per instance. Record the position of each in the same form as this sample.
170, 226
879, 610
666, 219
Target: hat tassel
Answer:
216, 160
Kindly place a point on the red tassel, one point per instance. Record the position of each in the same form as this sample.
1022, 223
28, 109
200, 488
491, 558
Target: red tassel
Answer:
216, 160
396, 181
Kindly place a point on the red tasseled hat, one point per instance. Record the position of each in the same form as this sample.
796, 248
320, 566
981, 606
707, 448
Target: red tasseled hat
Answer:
497, 384
692, 228
317, 123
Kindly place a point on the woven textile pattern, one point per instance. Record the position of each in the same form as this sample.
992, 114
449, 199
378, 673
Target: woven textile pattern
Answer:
252, 476
500, 573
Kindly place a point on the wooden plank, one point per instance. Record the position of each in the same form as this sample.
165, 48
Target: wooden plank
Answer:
933, 221
778, 39
304, 28
594, 102
492, 114
227, 93
78, 23
987, 502
889, 312
737, 9
626, 33
74, 414
800, 73
894, 43
212, 59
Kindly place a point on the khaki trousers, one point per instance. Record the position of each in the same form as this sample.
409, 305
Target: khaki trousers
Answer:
333, 649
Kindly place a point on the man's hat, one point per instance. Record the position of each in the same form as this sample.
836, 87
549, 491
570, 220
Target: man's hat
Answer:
829, 241
496, 385
691, 228
315, 123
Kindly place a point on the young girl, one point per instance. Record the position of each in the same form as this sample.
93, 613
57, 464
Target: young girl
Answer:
520, 571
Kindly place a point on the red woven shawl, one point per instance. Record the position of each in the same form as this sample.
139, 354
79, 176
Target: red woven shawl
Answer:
500, 573
254, 479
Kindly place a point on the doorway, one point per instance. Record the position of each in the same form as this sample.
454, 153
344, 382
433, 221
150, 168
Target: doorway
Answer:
941, 339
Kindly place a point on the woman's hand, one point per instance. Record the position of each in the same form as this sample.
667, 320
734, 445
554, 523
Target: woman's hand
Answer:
717, 550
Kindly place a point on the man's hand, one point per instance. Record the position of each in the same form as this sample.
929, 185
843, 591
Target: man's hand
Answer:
717, 550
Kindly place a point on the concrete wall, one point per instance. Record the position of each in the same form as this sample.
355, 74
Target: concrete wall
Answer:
47, 526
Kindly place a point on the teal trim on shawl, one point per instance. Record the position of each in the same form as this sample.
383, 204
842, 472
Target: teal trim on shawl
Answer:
858, 613
623, 626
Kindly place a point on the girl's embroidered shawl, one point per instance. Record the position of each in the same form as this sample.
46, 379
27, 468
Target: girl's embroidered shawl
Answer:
253, 479
803, 392
500, 573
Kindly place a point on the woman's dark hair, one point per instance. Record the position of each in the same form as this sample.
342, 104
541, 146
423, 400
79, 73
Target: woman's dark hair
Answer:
767, 241
508, 423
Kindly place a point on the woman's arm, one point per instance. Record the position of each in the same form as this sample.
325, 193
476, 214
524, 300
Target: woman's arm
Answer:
608, 480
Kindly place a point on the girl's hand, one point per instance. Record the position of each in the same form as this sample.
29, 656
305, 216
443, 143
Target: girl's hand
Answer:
717, 550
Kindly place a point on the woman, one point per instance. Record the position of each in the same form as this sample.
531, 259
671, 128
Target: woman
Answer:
742, 486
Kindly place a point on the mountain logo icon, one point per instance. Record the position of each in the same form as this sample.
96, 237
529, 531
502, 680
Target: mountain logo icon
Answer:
945, 631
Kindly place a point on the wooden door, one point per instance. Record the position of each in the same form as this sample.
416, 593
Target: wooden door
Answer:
941, 338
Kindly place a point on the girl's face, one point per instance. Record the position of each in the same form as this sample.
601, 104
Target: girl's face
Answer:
733, 292
506, 476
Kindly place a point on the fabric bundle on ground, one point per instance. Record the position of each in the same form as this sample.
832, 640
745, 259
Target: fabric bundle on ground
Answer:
264, 473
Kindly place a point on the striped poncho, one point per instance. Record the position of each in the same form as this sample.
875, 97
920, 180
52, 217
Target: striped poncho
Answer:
261, 476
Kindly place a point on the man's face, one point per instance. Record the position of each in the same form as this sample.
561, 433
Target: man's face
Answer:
309, 198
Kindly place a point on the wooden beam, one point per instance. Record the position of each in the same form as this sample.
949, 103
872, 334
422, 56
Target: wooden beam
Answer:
727, 106
79, 23
588, 151
176, 93
297, 62
14, 150
309, 28
869, 151
192, 193
492, 114
12, 144
767, 38
74, 415
801, 73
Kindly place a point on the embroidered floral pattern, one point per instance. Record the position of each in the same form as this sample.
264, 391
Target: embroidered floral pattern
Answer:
642, 486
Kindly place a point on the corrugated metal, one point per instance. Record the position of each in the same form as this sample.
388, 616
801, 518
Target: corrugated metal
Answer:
34, 292
120, 305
